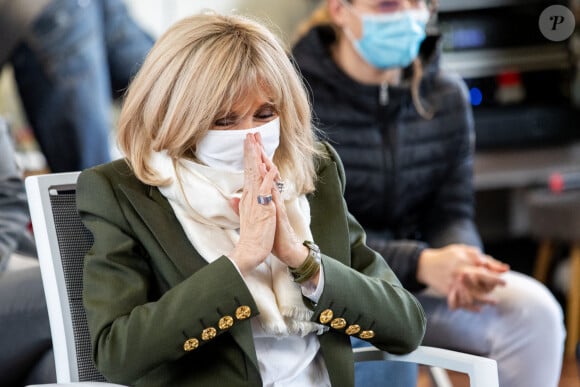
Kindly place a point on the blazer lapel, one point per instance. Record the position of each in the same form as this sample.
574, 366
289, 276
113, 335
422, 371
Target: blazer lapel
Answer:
157, 214
329, 231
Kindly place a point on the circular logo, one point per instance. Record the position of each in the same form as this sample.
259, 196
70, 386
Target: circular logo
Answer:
556, 23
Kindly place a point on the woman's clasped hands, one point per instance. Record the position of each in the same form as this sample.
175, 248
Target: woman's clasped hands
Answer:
264, 224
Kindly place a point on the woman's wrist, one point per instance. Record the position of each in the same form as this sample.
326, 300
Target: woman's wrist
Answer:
235, 257
245, 258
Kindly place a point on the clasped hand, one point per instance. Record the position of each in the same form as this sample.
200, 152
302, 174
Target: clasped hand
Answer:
264, 229
463, 274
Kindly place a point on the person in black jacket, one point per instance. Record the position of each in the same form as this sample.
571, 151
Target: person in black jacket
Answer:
404, 130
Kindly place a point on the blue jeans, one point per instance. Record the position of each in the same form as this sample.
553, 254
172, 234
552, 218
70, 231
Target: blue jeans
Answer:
524, 332
78, 55
383, 373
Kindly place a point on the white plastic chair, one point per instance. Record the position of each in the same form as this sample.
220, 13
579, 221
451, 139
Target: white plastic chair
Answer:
62, 241
482, 371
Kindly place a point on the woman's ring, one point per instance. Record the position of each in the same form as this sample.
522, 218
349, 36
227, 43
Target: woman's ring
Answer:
264, 199
280, 186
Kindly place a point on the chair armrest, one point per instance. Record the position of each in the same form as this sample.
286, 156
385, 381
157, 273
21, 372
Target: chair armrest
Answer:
482, 371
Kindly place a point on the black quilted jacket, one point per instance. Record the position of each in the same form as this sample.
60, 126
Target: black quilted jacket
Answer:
409, 180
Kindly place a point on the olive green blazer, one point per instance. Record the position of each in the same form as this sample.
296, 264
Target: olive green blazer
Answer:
160, 315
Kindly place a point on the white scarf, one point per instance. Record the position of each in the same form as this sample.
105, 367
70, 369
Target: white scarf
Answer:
200, 197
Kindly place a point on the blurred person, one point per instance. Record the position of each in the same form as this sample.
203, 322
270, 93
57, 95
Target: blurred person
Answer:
404, 129
26, 356
213, 261
70, 59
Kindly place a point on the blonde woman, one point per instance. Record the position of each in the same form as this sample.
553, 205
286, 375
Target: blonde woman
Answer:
404, 130
224, 253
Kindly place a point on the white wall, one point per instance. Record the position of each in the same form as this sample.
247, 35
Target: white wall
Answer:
284, 15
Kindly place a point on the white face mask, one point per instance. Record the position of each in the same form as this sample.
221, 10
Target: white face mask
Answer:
224, 149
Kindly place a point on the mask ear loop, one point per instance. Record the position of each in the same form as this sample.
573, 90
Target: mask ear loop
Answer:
346, 30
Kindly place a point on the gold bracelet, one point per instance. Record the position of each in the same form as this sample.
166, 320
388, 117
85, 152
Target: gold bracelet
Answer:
309, 267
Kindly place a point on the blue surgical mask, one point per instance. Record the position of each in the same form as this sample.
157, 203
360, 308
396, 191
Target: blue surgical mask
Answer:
391, 39
224, 149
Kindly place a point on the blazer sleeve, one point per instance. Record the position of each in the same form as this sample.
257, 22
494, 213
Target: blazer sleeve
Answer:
363, 297
145, 326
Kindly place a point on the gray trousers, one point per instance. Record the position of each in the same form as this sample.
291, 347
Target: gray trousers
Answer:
25, 345
524, 332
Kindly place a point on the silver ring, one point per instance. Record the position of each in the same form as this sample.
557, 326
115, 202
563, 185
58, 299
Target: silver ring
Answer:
264, 199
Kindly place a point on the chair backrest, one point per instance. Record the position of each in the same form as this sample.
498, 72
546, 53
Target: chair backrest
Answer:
62, 241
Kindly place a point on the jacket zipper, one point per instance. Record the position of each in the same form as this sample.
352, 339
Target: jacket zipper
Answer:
384, 94
386, 128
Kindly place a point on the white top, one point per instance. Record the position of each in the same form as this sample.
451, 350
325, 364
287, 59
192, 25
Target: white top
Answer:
291, 361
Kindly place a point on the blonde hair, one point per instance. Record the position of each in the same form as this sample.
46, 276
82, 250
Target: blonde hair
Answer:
195, 73
320, 16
